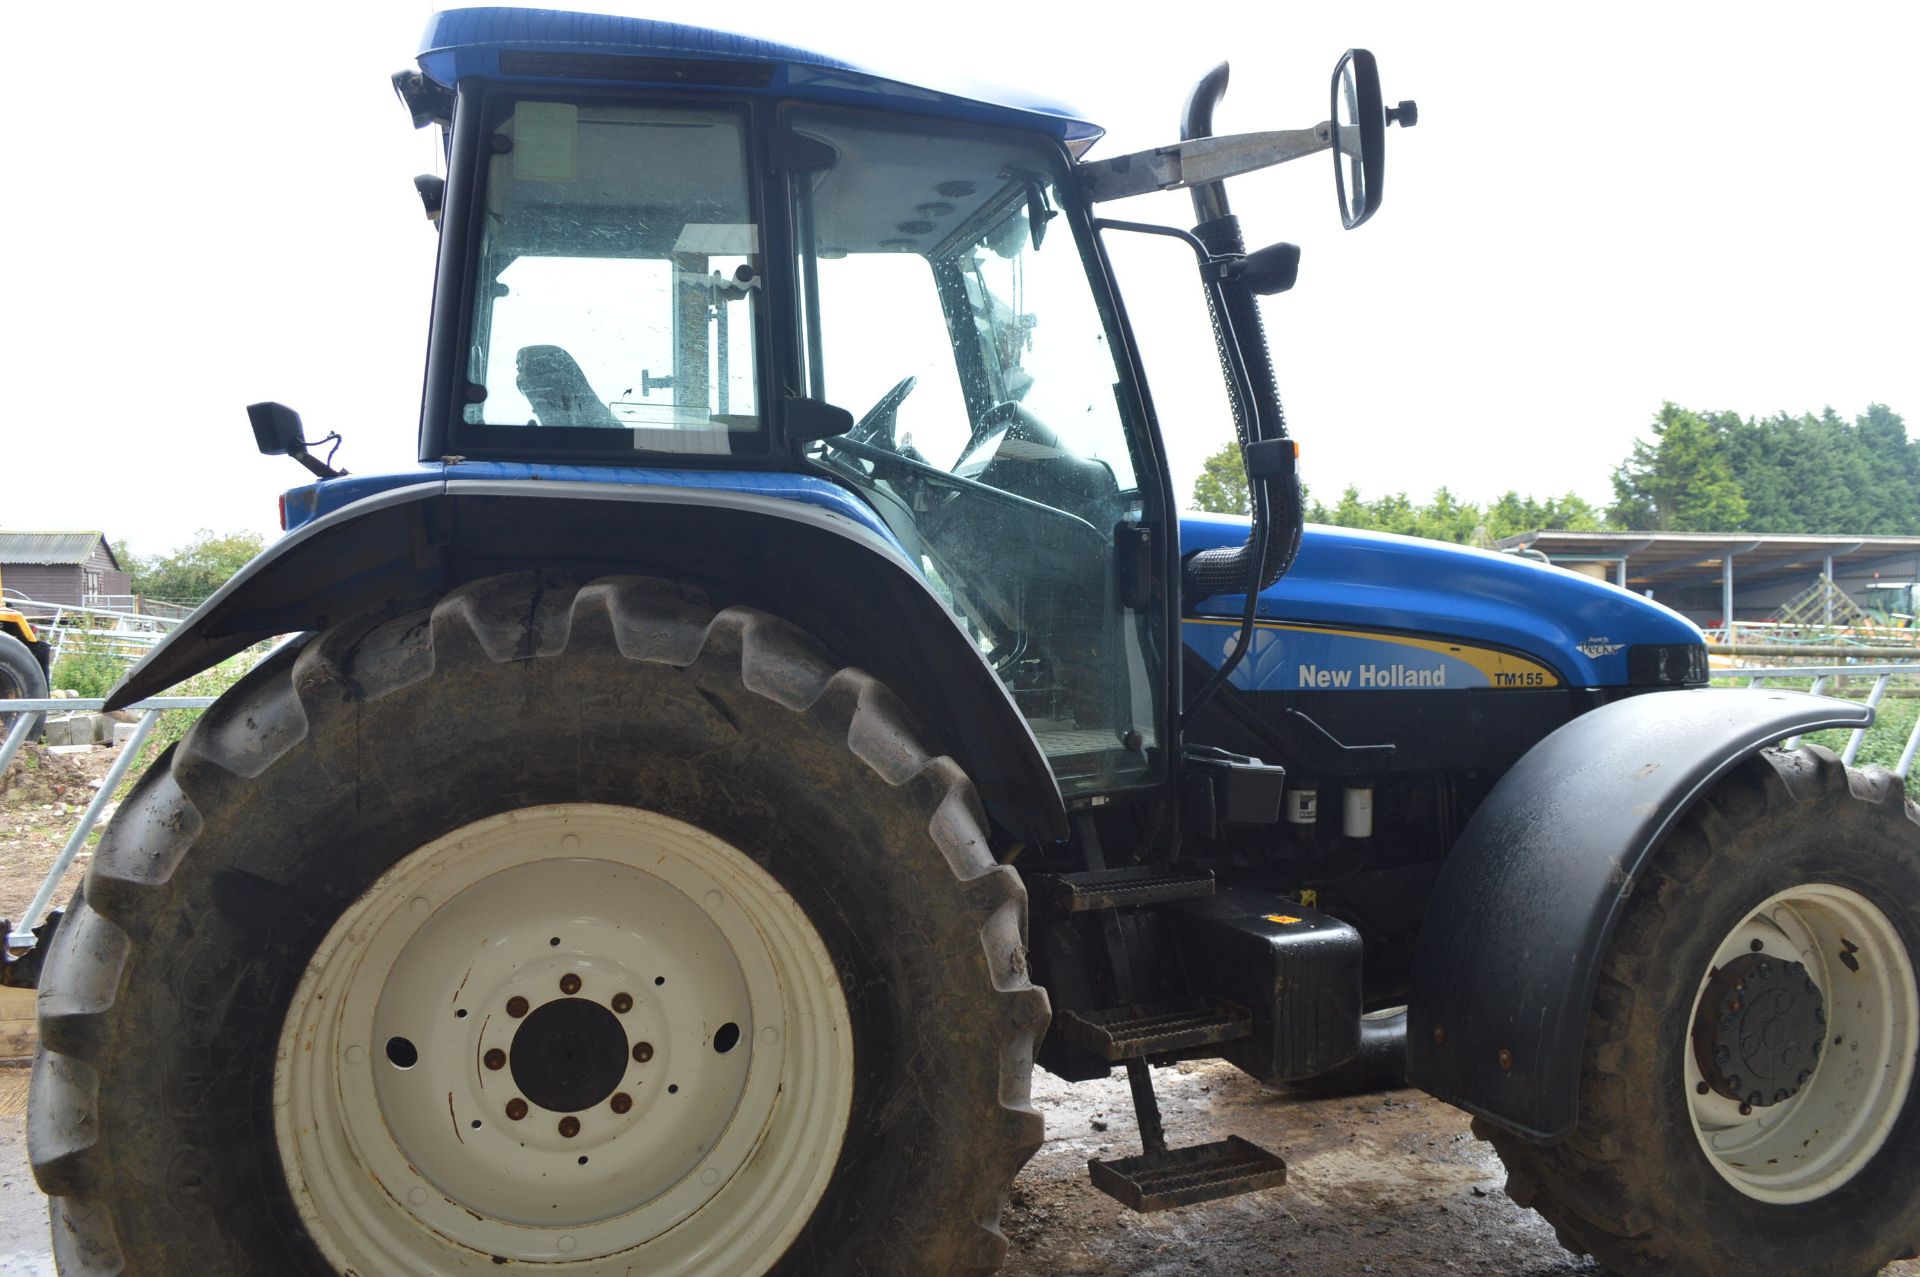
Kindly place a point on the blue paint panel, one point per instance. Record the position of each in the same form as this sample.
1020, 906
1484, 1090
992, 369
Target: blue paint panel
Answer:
308, 503
1370, 580
468, 42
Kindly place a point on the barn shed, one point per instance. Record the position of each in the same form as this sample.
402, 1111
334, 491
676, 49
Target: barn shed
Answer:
67, 569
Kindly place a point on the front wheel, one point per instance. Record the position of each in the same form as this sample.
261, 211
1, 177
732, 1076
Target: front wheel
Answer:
555, 929
1748, 1094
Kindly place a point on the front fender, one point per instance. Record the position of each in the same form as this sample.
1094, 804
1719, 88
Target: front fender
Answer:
1514, 933
839, 580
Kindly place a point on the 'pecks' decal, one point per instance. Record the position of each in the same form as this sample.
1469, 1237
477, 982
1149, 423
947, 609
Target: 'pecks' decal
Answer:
1595, 648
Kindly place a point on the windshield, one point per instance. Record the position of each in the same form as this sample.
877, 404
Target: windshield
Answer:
616, 281
947, 305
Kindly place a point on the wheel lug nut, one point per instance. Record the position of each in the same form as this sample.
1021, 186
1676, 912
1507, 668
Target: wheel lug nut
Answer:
495, 1059
1701, 1088
569, 1127
1746, 1110
516, 1006
643, 1051
569, 984
516, 1108
622, 1003
621, 1102
1757, 945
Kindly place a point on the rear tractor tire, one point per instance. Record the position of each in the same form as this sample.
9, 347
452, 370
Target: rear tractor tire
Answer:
557, 929
1748, 1100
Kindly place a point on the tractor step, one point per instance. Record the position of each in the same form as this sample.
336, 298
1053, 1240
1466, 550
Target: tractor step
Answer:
1135, 1033
1183, 1176
1135, 885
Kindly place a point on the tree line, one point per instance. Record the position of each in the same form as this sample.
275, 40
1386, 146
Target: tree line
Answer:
189, 573
1699, 472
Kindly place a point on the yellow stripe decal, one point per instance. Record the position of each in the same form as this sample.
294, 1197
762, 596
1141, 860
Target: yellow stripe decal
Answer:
1293, 657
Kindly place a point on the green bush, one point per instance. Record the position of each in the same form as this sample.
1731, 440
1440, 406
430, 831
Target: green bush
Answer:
88, 665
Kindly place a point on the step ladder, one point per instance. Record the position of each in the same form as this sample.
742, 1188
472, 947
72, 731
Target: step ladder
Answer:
1158, 1177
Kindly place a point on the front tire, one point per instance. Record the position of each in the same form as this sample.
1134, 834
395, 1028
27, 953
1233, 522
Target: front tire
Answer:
1748, 1098
254, 1057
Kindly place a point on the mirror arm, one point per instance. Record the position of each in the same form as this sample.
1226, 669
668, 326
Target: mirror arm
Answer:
1199, 162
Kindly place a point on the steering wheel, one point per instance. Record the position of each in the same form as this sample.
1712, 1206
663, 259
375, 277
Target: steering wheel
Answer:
876, 425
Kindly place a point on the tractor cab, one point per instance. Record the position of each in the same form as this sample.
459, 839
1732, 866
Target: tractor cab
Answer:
790, 265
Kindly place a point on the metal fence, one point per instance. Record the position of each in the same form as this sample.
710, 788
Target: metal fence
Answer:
117, 632
24, 713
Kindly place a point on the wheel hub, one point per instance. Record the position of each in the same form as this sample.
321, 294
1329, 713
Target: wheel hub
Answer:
569, 1055
572, 1035
1759, 1029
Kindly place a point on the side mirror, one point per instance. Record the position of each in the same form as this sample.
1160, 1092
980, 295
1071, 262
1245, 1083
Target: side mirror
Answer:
1360, 135
276, 428
277, 432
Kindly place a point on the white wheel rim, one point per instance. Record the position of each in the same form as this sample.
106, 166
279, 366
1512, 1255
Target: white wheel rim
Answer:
396, 1123
1808, 1145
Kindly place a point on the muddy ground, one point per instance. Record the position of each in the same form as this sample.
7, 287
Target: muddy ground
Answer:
42, 795
1386, 1184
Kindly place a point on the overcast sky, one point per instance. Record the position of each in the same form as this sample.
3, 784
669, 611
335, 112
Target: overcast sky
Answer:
1602, 208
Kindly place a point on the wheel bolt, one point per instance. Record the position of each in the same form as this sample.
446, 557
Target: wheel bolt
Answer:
1746, 1110
622, 1003
516, 1006
621, 1102
1701, 1088
1757, 945
569, 1127
495, 1059
516, 1108
643, 1051
569, 984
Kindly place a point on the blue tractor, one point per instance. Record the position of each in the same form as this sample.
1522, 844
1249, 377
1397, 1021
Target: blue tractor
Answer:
785, 706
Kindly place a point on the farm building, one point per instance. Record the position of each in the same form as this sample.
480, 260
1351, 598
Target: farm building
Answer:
1748, 576
67, 569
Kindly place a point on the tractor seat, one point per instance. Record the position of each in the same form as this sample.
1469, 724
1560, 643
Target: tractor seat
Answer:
558, 390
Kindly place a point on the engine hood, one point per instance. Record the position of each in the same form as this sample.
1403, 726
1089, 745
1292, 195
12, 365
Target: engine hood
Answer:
1372, 581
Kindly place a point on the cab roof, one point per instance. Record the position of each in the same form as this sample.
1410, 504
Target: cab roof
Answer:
547, 44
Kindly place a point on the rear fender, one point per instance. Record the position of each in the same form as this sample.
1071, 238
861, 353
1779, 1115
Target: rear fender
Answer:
826, 573
1514, 933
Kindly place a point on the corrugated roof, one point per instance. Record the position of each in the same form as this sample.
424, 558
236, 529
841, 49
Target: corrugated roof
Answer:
1669, 559
49, 547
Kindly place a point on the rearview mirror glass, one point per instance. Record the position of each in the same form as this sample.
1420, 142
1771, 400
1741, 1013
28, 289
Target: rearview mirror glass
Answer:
276, 429
1359, 136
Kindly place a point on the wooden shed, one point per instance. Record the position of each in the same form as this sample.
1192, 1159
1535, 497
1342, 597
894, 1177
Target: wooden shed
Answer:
70, 569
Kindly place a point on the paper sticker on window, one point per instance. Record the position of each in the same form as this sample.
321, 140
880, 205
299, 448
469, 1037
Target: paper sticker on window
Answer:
719, 239
545, 136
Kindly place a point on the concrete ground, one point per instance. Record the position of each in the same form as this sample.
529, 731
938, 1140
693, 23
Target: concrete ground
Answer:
1384, 1184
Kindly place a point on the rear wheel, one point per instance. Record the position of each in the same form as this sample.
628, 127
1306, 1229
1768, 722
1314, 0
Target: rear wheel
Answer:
1748, 1098
556, 929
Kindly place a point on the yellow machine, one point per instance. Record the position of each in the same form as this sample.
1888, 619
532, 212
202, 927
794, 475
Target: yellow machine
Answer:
24, 657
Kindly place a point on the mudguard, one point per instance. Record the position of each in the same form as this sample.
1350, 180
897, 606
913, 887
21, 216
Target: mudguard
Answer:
1511, 944
825, 572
